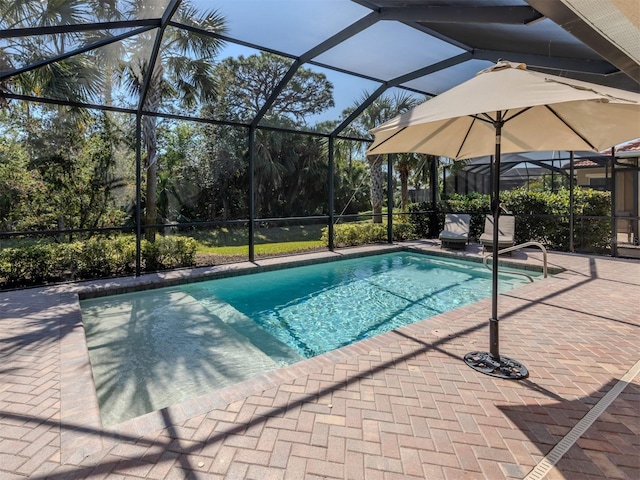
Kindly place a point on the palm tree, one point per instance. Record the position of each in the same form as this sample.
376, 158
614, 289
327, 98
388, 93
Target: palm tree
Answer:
405, 164
182, 72
381, 110
74, 79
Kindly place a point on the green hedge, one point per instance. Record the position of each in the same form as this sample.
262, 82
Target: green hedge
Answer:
350, 234
540, 216
97, 257
169, 252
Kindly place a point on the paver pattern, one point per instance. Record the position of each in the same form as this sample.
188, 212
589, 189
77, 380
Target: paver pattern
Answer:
402, 405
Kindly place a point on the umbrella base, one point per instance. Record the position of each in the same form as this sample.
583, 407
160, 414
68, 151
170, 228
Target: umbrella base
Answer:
501, 367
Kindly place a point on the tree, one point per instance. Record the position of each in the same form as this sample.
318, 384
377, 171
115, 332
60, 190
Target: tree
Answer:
405, 163
76, 78
291, 174
421, 170
176, 193
64, 150
219, 169
56, 173
351, 192
382, 109
290, 170
22, 191
247, 82
184, 72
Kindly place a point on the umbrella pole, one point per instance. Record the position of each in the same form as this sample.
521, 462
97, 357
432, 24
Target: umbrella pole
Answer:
494, 326
492, 363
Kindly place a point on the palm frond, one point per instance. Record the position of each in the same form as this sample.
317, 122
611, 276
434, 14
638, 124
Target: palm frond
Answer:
109, 55
191, 43
63, 12
144, 8
131, 75
106, 10
74, 79
18, 13
193, 79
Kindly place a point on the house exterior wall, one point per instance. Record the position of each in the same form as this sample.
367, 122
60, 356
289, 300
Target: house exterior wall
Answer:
592, 177
627, 201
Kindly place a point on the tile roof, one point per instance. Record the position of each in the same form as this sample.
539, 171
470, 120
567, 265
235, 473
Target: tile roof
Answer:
631, 146
584, 163
587, 162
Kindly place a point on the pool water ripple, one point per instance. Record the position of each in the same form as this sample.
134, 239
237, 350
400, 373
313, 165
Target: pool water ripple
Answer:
318, 308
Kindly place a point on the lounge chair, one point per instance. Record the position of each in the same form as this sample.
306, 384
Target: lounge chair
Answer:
506, 232
456, 231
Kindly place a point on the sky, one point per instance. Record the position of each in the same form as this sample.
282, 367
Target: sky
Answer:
384, 50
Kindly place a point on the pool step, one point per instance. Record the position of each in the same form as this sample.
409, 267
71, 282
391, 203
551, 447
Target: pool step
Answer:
281, 353
149, 351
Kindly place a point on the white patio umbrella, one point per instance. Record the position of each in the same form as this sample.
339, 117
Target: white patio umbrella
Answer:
507, 108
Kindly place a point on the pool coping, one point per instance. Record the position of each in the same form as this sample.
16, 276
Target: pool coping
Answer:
88, 289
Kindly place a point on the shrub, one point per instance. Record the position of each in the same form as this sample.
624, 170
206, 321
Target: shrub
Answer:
535, 212
475, 204
351, 234
544, 217
105, 257
169, 252
96, 257
420, 221
31, 265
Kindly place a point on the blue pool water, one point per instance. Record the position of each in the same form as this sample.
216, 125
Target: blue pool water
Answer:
318, 308
151, 349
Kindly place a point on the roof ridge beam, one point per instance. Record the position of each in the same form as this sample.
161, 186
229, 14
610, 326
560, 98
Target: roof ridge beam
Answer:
80, 27
344, 34
436, 67
581, 65
540, 163
71, 53
508, 15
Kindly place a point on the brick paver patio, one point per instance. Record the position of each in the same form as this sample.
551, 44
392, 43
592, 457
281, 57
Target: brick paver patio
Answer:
402, 405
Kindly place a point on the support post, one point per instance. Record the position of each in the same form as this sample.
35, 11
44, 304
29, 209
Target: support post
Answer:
491, 169
331, 180
571, 203
636, 202
252, 197
614, 219
494, 326
433, 180
390, 198
138, 194
455, 182
444, 181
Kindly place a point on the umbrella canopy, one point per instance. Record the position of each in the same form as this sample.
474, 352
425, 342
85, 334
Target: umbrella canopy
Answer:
540, 112
507, 108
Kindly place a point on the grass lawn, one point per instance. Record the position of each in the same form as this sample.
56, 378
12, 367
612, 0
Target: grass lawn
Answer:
268, 241
229, 241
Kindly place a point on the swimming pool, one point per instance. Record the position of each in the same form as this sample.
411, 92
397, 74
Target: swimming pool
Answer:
154, 348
